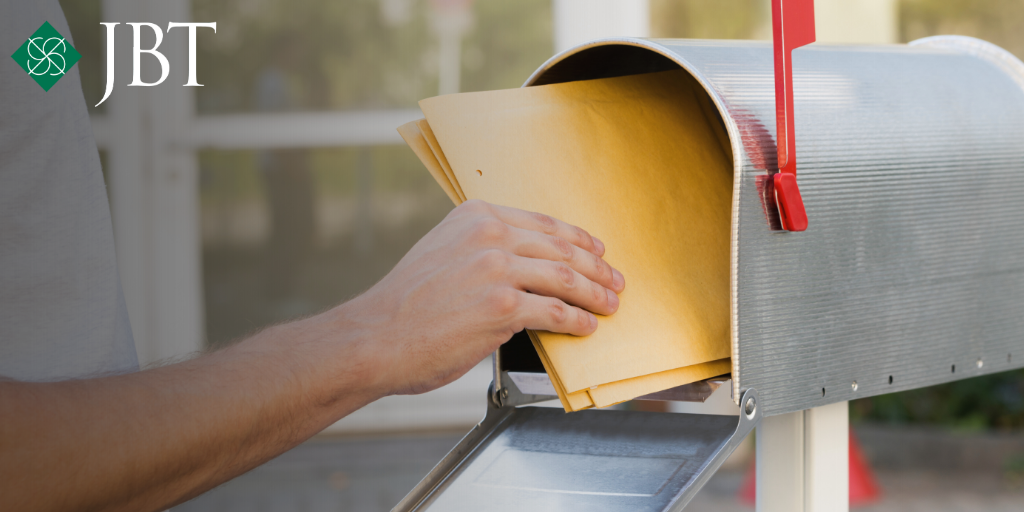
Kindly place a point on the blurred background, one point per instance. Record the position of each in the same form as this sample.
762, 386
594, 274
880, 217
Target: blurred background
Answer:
281, 188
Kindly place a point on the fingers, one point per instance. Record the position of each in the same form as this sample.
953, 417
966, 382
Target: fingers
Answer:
550, 314
558, 280
532, 244
550, 226
553, 273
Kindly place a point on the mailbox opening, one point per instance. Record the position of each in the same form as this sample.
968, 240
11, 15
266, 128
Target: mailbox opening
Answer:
517, 365
605, 61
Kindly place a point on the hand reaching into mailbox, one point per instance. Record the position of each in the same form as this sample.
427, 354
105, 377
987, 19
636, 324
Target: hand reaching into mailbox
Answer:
483, 274
152, 439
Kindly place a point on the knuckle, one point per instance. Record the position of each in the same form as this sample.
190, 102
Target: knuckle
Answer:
473, 205
564, 248
546, 223
469, 209
503, 301
565, 275
489, 229
559, 312
583, 238
583, 320
494, 261
604, 270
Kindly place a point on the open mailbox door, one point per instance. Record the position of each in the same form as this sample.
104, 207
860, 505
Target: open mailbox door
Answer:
537, 458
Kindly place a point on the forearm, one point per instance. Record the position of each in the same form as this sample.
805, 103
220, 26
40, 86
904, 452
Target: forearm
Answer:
148, 440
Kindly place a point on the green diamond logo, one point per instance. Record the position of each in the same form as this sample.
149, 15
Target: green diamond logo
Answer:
46, 56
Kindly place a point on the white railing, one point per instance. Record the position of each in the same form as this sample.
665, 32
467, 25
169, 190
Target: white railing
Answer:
284, 130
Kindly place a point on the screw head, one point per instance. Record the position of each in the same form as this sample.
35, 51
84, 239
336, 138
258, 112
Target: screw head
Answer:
749, 406
854, 385
981, 363
504, 393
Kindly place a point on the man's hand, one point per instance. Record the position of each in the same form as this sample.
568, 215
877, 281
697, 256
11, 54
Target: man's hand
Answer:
483, 274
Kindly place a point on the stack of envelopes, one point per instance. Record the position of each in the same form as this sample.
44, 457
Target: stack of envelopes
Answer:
643, 163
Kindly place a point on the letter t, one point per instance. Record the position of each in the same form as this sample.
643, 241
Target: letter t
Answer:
192, 47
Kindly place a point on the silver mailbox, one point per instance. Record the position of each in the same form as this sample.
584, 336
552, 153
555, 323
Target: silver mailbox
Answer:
910, 274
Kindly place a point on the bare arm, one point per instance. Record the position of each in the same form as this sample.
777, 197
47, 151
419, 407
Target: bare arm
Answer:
149, 440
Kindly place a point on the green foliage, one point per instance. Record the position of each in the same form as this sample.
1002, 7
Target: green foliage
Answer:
991, 401
1013, 471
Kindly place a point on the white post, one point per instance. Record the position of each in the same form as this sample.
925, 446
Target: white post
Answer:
177, 324
450, 21
803, 461
153, 189
128, 177
579, 21
827, 458
780, 463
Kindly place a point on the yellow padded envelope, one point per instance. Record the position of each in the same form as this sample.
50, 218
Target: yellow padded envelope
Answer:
638, 162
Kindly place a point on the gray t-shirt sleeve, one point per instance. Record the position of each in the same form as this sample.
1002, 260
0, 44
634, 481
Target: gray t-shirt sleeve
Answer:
62, 311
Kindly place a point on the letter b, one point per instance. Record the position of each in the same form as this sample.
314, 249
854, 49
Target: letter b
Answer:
137, 52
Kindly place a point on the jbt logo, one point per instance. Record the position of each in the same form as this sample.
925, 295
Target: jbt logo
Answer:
46, 56
137, 51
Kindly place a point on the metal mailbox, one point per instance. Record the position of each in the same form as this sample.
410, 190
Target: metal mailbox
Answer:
910, 274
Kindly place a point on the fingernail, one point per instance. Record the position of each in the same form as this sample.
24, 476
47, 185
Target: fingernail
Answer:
598, 245
593, 321
613, 300
618, 280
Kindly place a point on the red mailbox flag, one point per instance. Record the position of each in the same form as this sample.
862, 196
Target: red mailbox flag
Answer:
792, 27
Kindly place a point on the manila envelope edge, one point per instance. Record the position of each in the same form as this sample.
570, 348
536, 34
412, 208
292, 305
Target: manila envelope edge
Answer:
613, 393
412, 135
570, 401
435, 146
477, 103
620, 391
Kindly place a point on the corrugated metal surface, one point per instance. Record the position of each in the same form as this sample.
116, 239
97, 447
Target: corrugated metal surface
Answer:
911, 165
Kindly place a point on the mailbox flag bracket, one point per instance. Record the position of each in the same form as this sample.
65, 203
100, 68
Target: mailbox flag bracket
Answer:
792, 27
